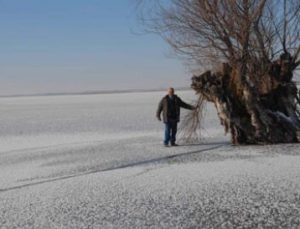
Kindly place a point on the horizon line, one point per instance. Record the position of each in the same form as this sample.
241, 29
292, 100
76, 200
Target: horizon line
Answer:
92, 92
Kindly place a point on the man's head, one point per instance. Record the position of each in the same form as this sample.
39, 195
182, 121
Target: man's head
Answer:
171, 91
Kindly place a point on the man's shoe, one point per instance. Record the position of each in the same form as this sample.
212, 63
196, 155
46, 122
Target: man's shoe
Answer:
166, 145
174, 144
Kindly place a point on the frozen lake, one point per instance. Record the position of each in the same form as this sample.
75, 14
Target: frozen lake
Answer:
97, 161
29, 122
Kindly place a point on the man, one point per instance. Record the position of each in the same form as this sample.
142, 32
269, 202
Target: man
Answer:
170, 107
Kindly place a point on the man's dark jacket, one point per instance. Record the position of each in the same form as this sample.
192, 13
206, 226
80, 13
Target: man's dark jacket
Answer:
164, 107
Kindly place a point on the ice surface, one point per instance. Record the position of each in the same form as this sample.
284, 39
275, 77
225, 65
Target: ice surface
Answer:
97, 161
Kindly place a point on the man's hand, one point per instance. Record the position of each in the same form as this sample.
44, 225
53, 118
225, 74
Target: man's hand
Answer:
159, 119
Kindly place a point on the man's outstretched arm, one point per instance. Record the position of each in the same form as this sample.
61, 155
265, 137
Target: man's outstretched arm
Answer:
185, 105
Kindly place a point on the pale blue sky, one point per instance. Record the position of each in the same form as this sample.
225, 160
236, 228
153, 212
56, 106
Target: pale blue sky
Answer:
80, 45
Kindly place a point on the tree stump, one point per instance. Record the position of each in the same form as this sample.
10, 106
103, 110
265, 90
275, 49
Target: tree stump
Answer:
264, 110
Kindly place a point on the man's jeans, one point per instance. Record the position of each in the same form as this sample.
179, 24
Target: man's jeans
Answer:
170, 132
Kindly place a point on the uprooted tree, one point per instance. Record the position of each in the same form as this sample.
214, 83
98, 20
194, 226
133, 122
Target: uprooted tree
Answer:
256, 44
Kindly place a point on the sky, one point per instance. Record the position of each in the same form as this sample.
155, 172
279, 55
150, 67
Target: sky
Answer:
55, 46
